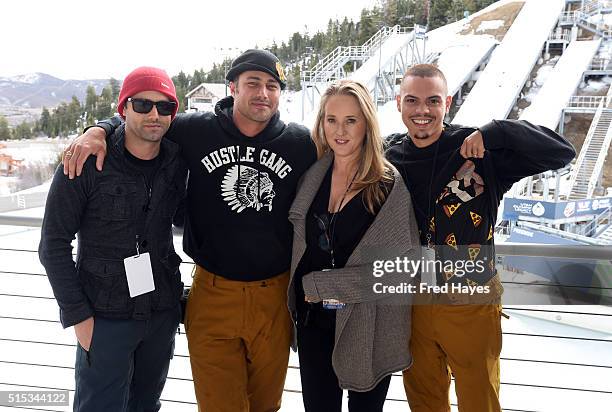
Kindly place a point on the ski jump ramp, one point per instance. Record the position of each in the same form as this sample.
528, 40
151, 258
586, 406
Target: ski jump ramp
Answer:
561, 84
548, 104
368, 72
458, 60
499, 85
462, 58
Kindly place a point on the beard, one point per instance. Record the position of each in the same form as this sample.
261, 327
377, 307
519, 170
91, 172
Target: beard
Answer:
422, 135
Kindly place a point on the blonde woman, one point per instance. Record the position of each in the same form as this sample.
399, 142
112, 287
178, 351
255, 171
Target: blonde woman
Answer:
351, 210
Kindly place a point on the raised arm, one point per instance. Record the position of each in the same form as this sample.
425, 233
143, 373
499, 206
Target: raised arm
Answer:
519, 148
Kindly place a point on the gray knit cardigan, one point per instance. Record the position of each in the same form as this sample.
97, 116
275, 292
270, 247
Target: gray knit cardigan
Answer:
373, 330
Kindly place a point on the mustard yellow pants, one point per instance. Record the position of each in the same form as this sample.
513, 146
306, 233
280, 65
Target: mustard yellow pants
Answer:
239, 335
464, 339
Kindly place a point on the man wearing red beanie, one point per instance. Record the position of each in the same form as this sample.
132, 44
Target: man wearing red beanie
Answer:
122, 294
244, 165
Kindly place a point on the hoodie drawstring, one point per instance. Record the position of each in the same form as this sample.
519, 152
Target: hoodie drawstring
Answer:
258, 178
239, 174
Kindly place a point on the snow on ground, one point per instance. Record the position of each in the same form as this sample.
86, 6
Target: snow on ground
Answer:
511, 63
29, 78
6, 182
515, 345
601, 19
490, 25
35, 150
560, 84
541, 75
596, 85
462, 57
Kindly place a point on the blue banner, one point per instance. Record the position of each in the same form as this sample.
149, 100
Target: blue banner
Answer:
513, 208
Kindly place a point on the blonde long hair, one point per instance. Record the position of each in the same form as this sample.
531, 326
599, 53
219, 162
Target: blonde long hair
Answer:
374, 172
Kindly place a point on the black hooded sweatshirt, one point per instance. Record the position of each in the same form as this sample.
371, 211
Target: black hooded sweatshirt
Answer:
239, 191
456, 199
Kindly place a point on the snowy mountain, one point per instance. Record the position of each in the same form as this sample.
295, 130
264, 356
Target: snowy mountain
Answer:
35, 90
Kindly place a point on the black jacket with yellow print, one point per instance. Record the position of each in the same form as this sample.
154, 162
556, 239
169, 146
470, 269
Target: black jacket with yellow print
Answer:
456, 199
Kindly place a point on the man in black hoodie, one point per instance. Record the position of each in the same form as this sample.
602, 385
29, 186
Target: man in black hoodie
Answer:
457, 176
244, 164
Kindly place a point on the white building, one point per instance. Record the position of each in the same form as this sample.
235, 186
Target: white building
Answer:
204, 97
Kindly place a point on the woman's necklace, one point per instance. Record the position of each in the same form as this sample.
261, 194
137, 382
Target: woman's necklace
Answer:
334, 219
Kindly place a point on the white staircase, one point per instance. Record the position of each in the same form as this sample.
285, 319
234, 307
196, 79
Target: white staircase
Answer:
390, 61
386, 55
589, 164
331, 67
592, 7
603, 223
582, 17
606, 235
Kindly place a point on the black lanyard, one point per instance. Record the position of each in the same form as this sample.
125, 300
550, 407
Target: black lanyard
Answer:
429, 215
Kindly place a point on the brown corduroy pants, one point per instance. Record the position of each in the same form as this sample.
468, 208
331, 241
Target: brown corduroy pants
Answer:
239, 335
464, 339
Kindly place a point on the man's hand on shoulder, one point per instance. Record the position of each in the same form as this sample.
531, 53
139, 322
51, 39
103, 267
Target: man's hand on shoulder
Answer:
473, 146
92, 142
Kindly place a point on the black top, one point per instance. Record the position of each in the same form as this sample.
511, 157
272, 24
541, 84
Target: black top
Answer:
325, 231
240, 190
148, 169
456, 199
105, 209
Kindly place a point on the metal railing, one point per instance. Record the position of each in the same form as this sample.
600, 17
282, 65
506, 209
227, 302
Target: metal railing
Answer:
583, 171
596, 6
572, 17
590, 102
601, 158
174, 400
590, 228
601, 64
330, 66
381, 84
563, 233
559, 37
602, 222
578, 17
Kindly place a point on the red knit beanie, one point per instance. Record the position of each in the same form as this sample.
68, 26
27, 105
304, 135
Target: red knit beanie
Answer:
145, 79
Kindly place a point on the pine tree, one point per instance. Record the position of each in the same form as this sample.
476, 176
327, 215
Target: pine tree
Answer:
115, 88
75, 115
5, 132
198, 78
45, 122
91, 99
22, 131
105, 105
367, 26
441, 13
390, 12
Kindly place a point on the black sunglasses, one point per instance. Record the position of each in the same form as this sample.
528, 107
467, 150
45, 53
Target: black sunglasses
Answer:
164, 108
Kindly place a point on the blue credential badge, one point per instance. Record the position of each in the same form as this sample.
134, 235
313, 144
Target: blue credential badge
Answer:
333, 304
